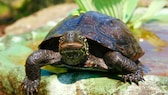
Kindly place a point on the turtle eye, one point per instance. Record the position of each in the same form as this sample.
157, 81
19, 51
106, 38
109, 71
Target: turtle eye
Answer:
81, 38
61, 39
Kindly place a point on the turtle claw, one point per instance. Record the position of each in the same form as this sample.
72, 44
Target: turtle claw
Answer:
133, 77
30, 87
143, 79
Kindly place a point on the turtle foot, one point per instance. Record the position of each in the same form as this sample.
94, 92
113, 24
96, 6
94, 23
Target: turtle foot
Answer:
30, 87
133, 77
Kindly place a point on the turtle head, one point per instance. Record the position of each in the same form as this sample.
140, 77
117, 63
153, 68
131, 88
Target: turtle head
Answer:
73, 47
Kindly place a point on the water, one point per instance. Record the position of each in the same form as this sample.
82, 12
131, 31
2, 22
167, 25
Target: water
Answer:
156, 52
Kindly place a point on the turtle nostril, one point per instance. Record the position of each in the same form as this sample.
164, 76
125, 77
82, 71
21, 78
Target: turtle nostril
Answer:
70, 35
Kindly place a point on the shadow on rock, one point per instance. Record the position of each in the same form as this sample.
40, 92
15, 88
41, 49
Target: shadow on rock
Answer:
71, 77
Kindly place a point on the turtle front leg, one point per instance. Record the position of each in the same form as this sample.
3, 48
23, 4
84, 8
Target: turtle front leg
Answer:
131, 71
32, 68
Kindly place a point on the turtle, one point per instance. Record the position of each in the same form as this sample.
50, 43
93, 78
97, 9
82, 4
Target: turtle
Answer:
90, 41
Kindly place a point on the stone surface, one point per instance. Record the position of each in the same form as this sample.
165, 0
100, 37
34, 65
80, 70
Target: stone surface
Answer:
40, 18
83, 83
105, 85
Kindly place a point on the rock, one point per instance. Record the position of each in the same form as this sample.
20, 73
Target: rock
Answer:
40, 18
96, 85
153, 85
84, 83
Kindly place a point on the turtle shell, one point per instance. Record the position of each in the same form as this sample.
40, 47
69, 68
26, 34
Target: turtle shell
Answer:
109, 32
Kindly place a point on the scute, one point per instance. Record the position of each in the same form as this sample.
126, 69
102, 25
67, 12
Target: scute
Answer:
108, 31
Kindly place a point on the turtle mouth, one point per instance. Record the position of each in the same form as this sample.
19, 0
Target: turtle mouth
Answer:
72, 45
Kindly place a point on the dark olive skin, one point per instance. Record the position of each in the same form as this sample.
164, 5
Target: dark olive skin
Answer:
92, 41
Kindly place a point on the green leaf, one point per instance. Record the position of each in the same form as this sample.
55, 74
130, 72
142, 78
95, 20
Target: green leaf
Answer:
161, 15
129, 8
85, 5
153, 8
122, 9
138, 13
112, 8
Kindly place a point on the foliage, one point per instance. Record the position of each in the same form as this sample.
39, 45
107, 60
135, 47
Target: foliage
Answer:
3, 8
126, 10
